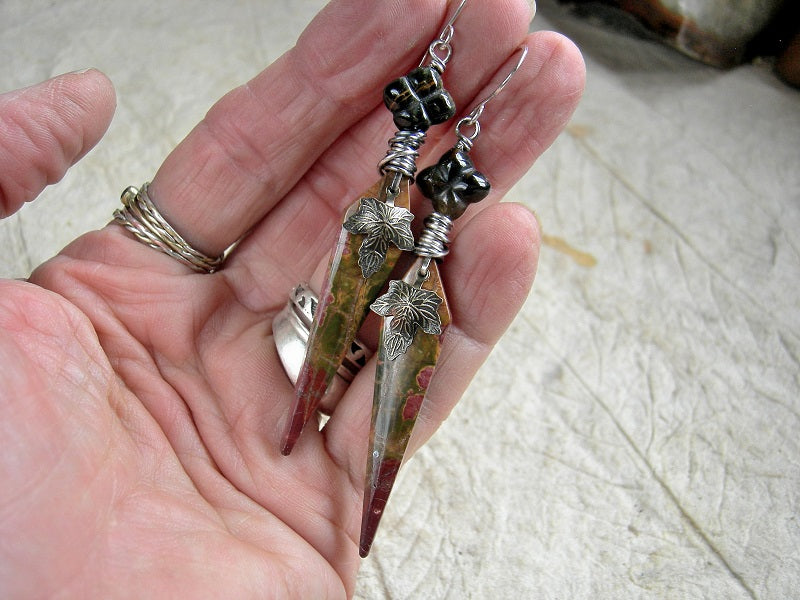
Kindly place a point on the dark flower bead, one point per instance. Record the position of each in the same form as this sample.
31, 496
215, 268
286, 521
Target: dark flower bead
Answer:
453, 183
419, 100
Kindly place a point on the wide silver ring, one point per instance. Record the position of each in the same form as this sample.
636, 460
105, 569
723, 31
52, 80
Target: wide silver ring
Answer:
291, 328
140, 216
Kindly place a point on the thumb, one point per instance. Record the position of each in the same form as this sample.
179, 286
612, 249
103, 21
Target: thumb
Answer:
46, 128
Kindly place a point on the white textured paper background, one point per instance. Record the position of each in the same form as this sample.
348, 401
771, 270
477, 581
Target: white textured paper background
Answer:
636, 433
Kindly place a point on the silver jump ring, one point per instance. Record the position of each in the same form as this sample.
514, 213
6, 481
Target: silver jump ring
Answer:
140, 216
466, 139
439, 62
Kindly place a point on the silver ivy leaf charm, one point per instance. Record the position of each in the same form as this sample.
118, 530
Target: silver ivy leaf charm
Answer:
381, 225
410, 308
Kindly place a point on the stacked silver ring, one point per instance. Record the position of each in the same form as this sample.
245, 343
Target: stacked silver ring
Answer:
140, 216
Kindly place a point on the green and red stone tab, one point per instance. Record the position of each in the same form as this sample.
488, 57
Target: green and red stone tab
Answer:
401, 382
343, 306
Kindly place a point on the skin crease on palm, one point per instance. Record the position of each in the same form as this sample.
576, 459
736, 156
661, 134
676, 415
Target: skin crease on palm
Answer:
142, 405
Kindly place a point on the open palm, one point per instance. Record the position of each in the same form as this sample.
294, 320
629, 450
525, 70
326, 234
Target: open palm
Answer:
142, 404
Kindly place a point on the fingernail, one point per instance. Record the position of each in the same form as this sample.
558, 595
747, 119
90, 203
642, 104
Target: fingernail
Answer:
81, 71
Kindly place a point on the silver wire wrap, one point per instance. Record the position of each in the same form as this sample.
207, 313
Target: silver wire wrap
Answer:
140, 216
435, 236
403, 152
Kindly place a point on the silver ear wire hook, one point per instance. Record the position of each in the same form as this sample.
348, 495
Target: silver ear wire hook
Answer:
442, 43
452, 20
465, 140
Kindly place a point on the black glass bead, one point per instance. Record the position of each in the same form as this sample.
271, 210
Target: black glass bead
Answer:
453, 183
419, 100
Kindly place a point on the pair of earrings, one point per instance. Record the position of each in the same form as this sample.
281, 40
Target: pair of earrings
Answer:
375, 232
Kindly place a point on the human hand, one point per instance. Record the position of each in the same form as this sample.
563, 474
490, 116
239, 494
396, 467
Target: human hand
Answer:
142, 404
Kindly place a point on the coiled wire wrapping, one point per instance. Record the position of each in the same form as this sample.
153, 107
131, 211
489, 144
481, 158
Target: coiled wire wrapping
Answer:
435, 236
403, 152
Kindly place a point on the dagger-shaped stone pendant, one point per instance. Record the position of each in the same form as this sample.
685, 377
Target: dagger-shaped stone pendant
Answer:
376, 230
415, 316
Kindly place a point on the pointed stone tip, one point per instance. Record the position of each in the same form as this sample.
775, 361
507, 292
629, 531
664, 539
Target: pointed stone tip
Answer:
286, 448
369, 528
375, 499
308, 396
293, 430
370, 520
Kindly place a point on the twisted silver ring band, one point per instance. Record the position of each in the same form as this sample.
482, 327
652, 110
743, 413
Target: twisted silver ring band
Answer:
140, 216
